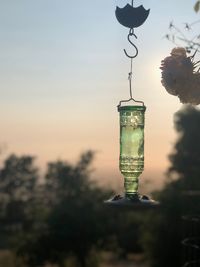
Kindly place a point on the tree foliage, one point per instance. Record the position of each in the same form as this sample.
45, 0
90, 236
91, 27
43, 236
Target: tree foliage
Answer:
185, 160
62, 218
18, 181
162, 231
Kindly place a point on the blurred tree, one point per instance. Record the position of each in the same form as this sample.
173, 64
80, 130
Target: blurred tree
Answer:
185, 160
63, 218
76, 221
126, 231
18, 179
162, 232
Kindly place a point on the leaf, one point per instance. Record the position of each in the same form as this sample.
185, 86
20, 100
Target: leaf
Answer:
197, 6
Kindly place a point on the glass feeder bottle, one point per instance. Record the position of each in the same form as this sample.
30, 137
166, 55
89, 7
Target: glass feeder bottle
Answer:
131, 160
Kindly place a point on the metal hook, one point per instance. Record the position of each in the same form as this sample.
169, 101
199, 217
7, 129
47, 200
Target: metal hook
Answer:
128, 37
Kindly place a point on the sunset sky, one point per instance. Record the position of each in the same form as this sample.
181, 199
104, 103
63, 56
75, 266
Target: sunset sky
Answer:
63, 72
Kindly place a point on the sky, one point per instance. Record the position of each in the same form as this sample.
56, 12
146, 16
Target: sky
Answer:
63, 72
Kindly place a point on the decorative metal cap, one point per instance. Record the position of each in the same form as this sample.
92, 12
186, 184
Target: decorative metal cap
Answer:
131, 17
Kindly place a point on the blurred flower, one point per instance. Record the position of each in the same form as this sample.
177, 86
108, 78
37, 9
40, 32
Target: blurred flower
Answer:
179, 77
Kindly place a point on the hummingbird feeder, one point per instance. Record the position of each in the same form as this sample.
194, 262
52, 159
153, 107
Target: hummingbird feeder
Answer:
132, 120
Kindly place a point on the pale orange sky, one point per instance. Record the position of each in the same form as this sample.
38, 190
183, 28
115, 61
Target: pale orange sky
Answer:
63, 73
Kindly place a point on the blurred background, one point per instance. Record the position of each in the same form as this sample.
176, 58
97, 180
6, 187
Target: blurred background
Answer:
63, 73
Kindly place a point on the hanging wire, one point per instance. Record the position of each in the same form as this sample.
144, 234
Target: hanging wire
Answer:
130, 74
130, 79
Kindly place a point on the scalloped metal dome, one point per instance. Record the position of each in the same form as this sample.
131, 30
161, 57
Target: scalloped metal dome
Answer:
131, 17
